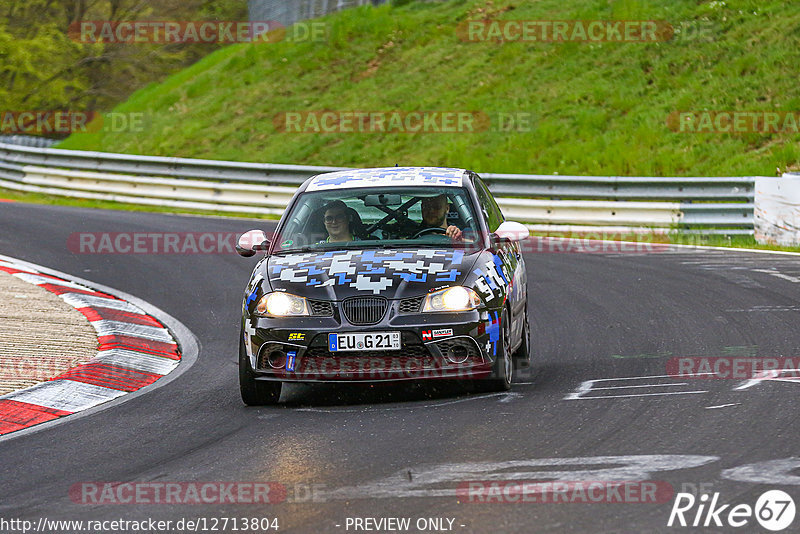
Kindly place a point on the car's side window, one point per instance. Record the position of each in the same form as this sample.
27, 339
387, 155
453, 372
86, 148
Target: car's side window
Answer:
494, 217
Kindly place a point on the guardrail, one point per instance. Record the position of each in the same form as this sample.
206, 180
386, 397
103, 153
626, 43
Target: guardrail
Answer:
544, 202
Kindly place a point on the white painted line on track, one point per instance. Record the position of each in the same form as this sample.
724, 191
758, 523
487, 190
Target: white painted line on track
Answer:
445, 479
641, 377
642, 395
588, 386
585, 387
646, 386
723, 406
778, 274
718, 251
765, 309
770, 376
510, 396
701, 250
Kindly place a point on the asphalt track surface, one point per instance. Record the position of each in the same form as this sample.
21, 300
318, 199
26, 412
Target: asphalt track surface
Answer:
395, 451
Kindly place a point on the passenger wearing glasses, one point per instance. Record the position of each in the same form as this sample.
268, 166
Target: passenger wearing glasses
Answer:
337, 223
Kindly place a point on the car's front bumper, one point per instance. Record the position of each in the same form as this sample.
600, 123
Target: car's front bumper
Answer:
435, 345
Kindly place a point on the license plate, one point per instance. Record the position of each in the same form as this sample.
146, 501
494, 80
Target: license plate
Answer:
364, 341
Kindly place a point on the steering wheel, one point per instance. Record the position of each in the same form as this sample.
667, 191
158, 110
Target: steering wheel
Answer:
432, 230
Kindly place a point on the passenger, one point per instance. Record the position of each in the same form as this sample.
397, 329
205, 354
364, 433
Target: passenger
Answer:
434, 215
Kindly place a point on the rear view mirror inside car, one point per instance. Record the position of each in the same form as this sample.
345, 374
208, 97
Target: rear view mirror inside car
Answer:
382, 199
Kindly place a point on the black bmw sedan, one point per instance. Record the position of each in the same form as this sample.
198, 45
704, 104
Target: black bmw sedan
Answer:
402, 273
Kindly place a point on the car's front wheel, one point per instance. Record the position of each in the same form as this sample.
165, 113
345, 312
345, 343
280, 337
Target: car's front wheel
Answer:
255, 392
503, 366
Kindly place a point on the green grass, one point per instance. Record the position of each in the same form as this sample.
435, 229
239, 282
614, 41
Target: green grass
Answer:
747, 242
597, 108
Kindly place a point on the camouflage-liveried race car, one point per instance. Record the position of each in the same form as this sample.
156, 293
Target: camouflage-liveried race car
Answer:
385, 274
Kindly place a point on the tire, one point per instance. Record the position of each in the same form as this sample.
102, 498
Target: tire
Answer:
503, 366
255, 392
523, 353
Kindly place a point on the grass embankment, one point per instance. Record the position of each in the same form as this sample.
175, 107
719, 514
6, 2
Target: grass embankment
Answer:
596, 108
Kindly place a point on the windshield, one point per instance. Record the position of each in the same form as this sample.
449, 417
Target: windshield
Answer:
392, 217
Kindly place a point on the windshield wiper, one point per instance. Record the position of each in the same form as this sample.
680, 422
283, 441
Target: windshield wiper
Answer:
413, 244
307, 248
371, 245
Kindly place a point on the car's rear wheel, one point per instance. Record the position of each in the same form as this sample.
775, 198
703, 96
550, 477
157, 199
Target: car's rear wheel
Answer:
255, 392
503, 366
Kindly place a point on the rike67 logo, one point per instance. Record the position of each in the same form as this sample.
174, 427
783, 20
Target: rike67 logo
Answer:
774, 510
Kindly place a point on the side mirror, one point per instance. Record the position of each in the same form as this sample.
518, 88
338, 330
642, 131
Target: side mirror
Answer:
511, 231
250, 242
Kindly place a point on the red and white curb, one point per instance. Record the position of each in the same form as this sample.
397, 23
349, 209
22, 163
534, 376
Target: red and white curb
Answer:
134, 351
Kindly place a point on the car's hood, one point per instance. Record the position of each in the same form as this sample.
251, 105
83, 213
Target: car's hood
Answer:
395, 273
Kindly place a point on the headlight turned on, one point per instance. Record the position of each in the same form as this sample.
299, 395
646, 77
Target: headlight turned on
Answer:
282, 305
452, 299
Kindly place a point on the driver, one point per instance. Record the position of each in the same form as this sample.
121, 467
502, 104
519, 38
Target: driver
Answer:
434, 215
337, 221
